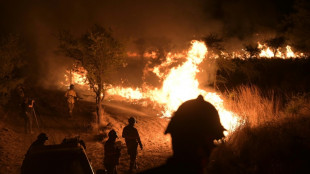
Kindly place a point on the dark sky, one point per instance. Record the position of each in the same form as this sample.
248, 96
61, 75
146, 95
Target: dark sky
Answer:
177, 20
144, 18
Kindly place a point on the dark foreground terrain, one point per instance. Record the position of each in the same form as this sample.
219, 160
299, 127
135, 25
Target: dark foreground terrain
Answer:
278, 143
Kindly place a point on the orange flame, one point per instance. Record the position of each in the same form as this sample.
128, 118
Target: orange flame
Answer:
266, 52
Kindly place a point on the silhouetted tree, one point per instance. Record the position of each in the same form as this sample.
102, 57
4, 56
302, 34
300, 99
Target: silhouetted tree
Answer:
275, 43
253, 50
214, 43
99, 53
12, 60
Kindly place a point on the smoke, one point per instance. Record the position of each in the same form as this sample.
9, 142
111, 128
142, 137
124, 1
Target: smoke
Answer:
177, 21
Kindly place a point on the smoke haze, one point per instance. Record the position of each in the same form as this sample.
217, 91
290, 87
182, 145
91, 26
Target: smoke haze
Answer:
178, 21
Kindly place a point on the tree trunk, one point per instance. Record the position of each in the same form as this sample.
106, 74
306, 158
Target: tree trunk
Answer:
99, 100
274, 53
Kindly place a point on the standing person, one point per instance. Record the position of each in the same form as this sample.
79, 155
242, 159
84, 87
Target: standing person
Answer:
132, 139
71, 96
111, 153
28, 114
193, 128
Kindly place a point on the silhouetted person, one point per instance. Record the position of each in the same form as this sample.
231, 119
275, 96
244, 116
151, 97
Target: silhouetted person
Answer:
40, 142
28, 114
132, 139
111, 153
193, 128
71, 97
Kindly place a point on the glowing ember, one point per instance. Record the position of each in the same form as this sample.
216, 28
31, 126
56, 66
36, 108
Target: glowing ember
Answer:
179, 85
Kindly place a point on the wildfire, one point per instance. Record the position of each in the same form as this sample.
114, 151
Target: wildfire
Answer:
77, 76
179, 82
288, 53
179, 85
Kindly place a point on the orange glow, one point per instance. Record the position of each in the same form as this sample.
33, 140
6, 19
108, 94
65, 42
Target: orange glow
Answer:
266, 52
179, 85
179, 82
77, 77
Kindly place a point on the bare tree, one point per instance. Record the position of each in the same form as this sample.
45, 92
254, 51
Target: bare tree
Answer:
99, 53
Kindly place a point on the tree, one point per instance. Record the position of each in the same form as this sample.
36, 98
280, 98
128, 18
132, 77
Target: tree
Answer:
214, 43
12, 61
253, 50
99, 53
275, 43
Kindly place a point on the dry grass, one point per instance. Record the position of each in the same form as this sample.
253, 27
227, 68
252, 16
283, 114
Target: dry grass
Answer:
272, 140
252, 107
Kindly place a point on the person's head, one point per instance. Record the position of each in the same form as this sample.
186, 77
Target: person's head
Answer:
132, 121
42, 137
112, 134
193, 128
71, 86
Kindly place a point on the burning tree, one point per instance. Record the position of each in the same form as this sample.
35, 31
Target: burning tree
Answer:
275, 43
253, 50
99, 53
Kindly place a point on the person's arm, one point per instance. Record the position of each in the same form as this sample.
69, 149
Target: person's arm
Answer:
124, 133
139, 140
31, 105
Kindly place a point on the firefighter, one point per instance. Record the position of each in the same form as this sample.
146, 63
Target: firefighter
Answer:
28, 113
71, 97
132, 139
193, 128
111, 153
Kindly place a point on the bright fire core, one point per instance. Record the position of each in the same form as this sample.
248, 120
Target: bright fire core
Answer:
179, 85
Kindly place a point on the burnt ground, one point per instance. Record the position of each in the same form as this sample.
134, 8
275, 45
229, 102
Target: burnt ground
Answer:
14, 142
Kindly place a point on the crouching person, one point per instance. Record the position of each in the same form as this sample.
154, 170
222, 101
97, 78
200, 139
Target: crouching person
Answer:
111, 153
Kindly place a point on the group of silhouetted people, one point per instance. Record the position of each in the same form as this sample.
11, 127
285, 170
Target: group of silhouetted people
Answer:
193, 128
112, 151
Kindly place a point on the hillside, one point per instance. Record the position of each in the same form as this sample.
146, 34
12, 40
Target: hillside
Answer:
51, 112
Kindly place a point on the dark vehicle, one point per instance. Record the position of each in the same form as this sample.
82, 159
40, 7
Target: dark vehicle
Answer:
69, 157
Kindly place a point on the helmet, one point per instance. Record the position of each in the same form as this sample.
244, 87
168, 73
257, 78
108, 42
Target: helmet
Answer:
112, 134
132, 120
195, 119
42, 136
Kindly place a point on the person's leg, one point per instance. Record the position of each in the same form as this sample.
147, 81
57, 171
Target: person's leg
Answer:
31, 115
110, 169
27, 123
133, 156
71, 106
115, 170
